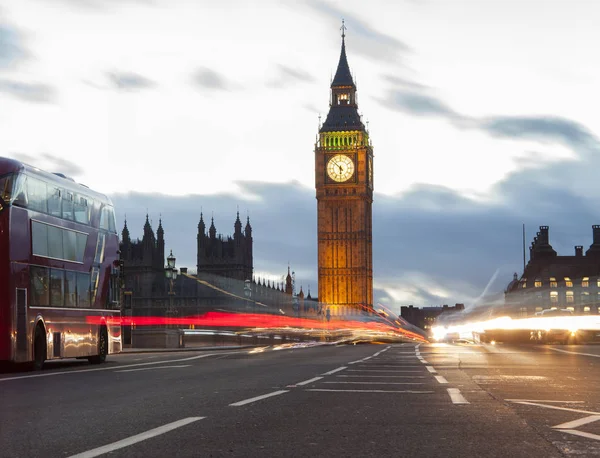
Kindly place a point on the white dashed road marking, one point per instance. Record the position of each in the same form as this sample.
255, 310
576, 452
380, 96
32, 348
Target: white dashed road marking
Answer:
137, 438
258, 398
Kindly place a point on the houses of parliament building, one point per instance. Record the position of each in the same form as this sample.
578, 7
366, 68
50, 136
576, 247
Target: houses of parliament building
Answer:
223, 280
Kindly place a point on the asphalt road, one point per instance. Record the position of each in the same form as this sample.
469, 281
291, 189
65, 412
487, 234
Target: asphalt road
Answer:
364, 401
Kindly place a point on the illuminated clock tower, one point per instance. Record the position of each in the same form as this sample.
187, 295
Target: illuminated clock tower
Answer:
344, 185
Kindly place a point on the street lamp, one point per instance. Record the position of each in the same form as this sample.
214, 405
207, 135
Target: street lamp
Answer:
248, 293
171, 274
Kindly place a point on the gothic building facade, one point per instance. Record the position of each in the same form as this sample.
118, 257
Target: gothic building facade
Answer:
229, 257
224, 280
344, 192
549, 280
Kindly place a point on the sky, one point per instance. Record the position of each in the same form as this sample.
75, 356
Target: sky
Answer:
482, 113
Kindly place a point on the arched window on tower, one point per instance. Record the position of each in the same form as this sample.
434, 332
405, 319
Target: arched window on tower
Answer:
343, 99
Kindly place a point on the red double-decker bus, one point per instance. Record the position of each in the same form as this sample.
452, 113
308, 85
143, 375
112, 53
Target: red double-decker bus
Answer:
59, 268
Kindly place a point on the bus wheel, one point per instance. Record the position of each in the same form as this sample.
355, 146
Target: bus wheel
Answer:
39, 348
102, 348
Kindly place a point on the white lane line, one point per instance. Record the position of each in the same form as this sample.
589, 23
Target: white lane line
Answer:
581, 433
577, 423
431, 369
370, 382
49, 374
369, 391
390, 365
383, 376
258, 398
152, 368
137, 438
306, 382
574, 352
423, 361
384, 370
335, 370
545, 400
456, 396
556, 407
441, 379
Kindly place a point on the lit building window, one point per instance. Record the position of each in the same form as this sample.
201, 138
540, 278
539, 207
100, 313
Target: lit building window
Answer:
553, 297
538, 283
553, 283
568, 282
585, 282
598, 283
586, 310
523, 311
572, 309
343, 99
539, 309
570, 297
523, 283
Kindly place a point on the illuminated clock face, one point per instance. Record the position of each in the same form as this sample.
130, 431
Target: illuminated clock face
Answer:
340, 168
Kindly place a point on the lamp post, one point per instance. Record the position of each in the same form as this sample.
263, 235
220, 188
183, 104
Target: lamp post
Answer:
248, 293
171, 274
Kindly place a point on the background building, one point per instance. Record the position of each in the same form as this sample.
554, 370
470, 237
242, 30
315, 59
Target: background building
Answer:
550, 280
426, 317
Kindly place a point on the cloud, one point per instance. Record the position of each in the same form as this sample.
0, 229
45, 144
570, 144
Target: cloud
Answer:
103, 5
51, 162
129, 81
399, 81
287, 75
12, 49
418, 101
29, 92
418, 104
366, 40
547, 128
210, 79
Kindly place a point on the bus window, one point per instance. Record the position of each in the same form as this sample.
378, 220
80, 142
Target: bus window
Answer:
70, 289
94, 285
83, 290
69, 245
57, 279
39, 286
37, 195
68, 205
6, 188
81, 209
55, 242
99, 258
107, 219
81, 240
39, 239
54, 202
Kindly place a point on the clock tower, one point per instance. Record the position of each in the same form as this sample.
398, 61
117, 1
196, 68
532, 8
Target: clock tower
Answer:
344, 191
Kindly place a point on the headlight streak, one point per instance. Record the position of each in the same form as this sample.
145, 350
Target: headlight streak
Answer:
572, 324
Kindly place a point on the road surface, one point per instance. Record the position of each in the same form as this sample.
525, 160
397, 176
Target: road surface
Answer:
350, 400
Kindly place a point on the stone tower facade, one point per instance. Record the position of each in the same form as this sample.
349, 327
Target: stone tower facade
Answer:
230, 256
344, 192
144, 261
